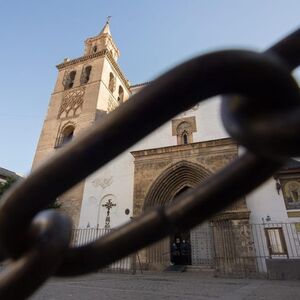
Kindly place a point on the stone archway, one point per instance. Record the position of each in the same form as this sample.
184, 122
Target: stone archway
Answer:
167, 185
172, 180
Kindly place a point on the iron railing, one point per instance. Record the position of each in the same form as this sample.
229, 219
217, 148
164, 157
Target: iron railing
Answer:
252, 249
83, 236
260, 111
240, 250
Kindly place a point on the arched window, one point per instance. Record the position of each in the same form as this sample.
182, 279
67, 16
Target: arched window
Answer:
95, 49
65, 136
185, 138
70, 80
112, 82
85, 75
120, 94
184, 133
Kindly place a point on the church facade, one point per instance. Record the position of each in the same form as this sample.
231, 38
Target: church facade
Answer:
178, 156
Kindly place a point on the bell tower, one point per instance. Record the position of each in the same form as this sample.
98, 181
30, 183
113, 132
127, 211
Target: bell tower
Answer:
87, 88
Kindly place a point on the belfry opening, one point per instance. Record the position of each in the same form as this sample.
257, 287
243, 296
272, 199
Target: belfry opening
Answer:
180, 241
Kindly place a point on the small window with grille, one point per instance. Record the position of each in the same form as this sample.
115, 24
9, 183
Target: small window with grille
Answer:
275, 241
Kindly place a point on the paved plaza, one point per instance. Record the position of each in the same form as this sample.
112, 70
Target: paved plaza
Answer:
190, 285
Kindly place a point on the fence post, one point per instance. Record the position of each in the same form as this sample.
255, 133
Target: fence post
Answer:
133, 263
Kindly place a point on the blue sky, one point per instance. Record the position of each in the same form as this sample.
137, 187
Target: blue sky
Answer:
152, 35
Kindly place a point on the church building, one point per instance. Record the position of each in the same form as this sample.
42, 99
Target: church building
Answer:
178, 156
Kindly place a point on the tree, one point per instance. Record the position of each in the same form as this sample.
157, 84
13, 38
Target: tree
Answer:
4, 186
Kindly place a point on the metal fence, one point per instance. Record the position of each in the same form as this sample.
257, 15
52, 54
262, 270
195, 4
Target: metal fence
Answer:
235, 248
83, 236
256, 249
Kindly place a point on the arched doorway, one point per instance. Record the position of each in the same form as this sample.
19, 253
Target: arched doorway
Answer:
175, 180
180, 242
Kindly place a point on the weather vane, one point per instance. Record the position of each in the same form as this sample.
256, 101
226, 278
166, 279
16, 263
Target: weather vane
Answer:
108, 19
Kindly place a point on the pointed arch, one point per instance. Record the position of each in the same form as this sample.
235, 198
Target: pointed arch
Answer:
172, 180
112, 82
69, 80
65, 134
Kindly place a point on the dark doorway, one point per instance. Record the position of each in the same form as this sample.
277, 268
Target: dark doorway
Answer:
180, 243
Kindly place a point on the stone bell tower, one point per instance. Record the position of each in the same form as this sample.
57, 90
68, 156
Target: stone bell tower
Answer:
87, 88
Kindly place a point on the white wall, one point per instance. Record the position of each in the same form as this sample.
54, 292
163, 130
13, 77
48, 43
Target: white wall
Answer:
265, 201
119, 174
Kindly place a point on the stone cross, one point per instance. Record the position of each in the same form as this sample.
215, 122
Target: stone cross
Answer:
108, 205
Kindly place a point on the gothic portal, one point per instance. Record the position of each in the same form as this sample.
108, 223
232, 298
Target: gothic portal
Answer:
162, 173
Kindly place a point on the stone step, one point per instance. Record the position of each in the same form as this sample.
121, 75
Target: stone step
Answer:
200, 268
175, 268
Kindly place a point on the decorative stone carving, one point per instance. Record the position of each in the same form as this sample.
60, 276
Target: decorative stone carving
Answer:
103, 182
71, 104
184, 128
177, 122
112, 104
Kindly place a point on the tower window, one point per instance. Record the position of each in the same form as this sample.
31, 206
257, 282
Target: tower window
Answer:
185, 138
120, 94
184, 133
85, 75
69, 82
65, 136
95, 49
112, 82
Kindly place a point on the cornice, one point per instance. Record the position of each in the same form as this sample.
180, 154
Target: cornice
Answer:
81, 59
95, 55
232, 215
177, 148
116, 66
140, 84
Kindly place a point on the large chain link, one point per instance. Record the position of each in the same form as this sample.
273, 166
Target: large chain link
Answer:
260, 110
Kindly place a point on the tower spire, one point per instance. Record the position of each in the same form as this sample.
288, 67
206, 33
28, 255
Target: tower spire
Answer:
102, 41
106, 29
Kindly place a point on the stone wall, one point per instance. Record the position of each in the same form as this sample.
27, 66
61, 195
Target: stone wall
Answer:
160, 173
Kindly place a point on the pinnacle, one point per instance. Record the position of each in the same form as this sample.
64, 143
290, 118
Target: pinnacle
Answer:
106, 29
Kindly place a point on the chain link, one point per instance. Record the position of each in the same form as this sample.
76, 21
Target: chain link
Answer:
260, 110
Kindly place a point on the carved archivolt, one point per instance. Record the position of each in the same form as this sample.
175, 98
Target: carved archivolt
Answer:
71, 104
184, 127
172, 180
111, 104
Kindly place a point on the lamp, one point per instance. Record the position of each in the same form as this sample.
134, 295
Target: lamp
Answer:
278, 186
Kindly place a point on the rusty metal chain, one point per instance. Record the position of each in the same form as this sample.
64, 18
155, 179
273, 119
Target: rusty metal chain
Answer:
260, 110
